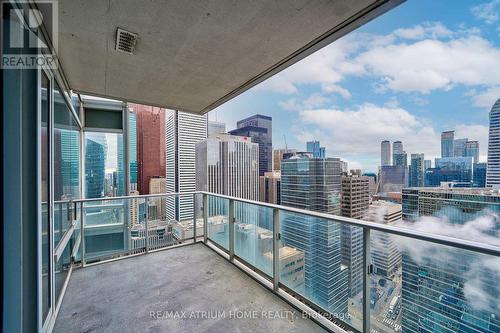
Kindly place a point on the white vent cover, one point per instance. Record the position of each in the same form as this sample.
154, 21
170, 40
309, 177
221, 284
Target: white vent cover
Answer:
125, 41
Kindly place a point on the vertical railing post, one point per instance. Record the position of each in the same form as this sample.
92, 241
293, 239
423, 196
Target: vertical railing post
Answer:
205, 218
276, 248
194, 218
366, 280
231, 229
82, 232
146, 236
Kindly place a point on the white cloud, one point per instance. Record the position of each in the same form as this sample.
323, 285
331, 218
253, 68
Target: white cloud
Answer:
430, 64
314, 101
488, 12
485, 98
351, 132
425, 30
418, 59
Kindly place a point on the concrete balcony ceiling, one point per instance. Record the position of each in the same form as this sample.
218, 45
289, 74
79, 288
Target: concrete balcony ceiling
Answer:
195, 55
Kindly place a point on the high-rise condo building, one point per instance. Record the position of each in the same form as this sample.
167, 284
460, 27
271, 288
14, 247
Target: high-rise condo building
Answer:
354, 204
385, 153
183, 131
493, 169
315, 148
447, 146
150, 122
460, 147
315, 184
269, 187
228, 164
215, 127
385, 255
399, 156
132, 141
472, 150
417, 170
260, 129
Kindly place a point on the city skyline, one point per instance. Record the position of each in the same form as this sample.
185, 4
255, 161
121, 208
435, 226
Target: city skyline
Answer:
345, 97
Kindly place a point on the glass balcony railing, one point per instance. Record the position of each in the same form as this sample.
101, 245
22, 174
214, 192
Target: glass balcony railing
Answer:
360, 276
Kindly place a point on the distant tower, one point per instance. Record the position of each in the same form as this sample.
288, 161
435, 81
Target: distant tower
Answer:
183, 131
447, 144
493, 168
260, 129
417, 170
315, 148
385, 153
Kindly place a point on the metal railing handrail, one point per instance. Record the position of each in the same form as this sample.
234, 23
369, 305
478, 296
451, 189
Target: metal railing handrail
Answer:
488, 249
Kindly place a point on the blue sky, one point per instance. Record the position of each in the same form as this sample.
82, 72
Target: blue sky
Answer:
424, 67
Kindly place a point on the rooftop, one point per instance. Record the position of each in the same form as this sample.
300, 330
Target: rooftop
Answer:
139, 293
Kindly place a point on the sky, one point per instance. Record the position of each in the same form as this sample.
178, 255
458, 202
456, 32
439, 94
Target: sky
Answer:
420, 69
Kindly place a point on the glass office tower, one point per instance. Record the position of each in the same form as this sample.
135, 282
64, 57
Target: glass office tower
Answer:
315, 184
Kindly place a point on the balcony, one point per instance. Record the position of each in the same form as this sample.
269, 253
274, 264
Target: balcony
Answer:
185, 289
219, 270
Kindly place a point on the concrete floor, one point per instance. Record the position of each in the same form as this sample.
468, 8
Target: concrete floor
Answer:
140, 294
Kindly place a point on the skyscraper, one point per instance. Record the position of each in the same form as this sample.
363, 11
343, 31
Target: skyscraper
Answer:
447, 146
315, 148
95, 168
458, 168
228, 164
260, 129
150, 126
315, 184
132, 125
472, 150
183, 132
397, 154
354, 204
460, 147
385, 153
493, 169
417, 170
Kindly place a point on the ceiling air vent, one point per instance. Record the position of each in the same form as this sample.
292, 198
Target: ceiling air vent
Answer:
125, 41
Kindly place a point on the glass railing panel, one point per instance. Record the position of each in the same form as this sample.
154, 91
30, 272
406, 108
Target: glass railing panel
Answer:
420, 286
218, 221
106, 229
136, 211
253, 235
311, 265
162, 217
62, 267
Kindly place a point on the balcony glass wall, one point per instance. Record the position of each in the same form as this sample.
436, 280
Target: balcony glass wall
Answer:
253, 235
311, 265
433, 288
218, 221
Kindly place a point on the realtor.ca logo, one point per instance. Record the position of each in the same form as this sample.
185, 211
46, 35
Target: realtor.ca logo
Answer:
24, 45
